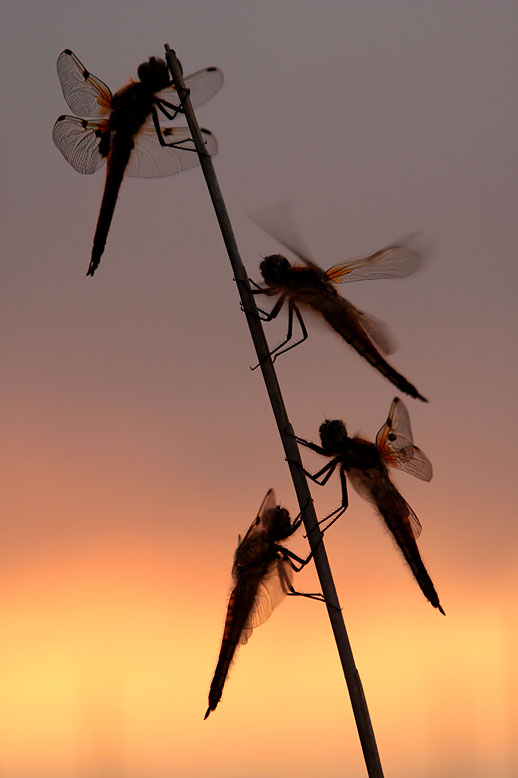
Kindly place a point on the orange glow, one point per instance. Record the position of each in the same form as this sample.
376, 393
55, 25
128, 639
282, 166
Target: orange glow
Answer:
107, 667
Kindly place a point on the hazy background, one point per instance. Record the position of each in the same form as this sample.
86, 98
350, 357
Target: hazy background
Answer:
137, 444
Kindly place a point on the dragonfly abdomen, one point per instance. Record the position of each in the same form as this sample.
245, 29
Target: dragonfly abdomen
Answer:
239, 607
356, 337
399, 525
118, 159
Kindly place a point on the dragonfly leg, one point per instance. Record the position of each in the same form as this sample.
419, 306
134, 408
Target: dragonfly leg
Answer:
335, 514
288, 556
265, 315
291, 309
308, 444
160, 132
274, 353
176, 109
327, 471
311, 595
257, 289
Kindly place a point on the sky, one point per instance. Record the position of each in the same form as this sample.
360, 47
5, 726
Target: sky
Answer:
137, 444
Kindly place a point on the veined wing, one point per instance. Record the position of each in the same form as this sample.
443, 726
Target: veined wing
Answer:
202, 85
149, 159
86, 95
396, 444
386, 496
79, 141
271, 591
267, 504
396, 261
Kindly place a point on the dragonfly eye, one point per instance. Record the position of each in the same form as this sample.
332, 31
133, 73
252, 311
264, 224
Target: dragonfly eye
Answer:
154, 74
281, 524
274, 268
332, 433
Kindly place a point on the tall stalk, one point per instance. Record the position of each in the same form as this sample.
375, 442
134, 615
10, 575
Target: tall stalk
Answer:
352, 678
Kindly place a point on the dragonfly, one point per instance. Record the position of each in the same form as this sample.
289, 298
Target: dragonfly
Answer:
308, 285
365, 464
262, 575
124, 131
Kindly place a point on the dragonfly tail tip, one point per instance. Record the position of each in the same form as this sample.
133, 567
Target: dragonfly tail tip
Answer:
206, 714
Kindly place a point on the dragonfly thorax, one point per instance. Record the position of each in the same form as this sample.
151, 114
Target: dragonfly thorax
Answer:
333, 434
275, 269
154, 74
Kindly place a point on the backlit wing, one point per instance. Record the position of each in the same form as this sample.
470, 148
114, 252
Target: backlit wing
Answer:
382, 494
378, 332
86, 95
396, 261
202, 85
396, 445
249, 550
150, 160
415, 524
271, 591
279, 223
79, 141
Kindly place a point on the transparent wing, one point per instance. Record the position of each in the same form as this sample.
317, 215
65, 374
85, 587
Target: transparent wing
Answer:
150, 160
415, 524
378, 332
362, 481
79, 140
396, 444
203, 84
383, 493
86, 95
267, 504
271, 591
396, 261
279, 222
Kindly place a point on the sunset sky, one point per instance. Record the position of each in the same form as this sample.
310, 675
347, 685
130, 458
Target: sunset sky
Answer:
137, 444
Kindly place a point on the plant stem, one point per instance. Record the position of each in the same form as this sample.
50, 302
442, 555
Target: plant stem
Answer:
315, 537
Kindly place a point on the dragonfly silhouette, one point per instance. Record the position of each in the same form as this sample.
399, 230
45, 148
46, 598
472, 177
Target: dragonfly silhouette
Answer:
309, 286
366, 466
128, 136
262, 574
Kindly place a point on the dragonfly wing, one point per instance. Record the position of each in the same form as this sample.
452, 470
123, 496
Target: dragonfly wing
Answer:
415, 524
384, 496
250, 550
362, 482
150, 160
378, 332
271, 591
396, 444
86, 95
279, 222
202, 85
79, 141
396, 261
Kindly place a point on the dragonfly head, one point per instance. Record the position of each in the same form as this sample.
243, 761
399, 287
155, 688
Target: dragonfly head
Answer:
154, 74
280, 524
275, 268
333, 434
